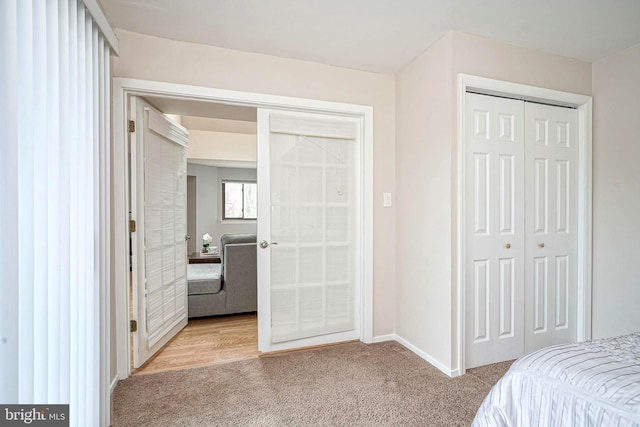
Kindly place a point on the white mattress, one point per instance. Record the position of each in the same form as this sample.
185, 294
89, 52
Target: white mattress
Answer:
596, 383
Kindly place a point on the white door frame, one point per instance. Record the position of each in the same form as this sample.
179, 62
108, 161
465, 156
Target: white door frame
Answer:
583, 104
122, 89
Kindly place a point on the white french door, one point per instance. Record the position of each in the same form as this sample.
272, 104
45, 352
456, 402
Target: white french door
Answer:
520, 227
309, 229
158, 205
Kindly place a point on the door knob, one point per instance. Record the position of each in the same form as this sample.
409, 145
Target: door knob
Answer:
508, 245
187, 237
541, 244
264, 244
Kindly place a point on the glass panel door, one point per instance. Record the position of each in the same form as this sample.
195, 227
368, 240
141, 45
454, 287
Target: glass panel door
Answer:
313, 229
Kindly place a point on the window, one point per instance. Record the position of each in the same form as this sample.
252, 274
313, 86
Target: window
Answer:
239, 200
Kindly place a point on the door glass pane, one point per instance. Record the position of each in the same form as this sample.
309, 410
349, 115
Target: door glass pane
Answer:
313, 211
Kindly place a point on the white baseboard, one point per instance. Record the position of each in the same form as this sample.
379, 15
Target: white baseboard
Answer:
384, 338
427, 357
114, 383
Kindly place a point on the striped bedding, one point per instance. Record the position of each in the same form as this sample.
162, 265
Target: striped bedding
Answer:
595, 383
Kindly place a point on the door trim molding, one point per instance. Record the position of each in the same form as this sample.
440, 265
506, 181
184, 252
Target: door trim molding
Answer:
125, 87
583, 104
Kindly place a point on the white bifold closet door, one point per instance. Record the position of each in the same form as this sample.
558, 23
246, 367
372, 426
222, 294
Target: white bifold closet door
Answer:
552, 215
495, 235
159, 205
309, 209
520, 227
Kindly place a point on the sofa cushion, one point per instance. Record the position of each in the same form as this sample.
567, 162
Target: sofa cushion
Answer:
204, 278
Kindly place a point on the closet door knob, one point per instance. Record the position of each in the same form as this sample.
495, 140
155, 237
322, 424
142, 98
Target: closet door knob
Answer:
541, 244
508, 245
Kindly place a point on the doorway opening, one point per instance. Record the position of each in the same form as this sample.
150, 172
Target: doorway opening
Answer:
124, 89
221, 152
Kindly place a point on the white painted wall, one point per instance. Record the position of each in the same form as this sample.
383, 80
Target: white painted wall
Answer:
208, 206
423, 202
152, 58
616, 194
426, 145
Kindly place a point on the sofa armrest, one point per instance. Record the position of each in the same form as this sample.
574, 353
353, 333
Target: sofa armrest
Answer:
240, 279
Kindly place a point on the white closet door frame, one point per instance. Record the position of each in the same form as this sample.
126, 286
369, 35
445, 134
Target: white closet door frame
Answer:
583, 104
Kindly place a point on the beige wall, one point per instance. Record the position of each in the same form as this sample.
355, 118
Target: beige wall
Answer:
616, 194
484, 57
423, 203
426, 122
152, 58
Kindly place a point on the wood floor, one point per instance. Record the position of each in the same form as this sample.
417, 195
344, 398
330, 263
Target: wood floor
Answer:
207, 341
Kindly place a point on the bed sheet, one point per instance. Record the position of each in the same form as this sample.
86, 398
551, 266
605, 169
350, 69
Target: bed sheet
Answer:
595, 383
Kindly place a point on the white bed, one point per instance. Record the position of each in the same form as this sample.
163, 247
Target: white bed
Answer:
595, 383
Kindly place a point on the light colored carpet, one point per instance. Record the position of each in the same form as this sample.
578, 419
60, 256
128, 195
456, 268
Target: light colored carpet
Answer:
350, 384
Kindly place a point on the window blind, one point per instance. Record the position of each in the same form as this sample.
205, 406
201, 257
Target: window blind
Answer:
54, 210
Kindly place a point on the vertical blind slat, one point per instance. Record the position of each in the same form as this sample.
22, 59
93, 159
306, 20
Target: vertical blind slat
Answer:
74, 176
25, 204
40, 195
64, 137
9, 376
104, 210
53, 217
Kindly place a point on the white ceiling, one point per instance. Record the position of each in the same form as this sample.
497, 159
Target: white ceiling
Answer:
382, 35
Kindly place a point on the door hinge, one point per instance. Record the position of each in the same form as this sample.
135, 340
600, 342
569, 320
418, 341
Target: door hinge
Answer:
132, 225
133, 325
132, 126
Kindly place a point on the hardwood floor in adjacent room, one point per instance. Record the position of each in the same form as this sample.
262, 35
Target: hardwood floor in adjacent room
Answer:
208, 341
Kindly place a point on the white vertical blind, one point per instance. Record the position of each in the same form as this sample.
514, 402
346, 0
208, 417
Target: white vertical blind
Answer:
54, 209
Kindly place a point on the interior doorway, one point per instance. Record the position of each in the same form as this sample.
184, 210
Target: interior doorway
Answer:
125, 88
189, 188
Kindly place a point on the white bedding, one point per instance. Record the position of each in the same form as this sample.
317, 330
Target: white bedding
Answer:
595, 383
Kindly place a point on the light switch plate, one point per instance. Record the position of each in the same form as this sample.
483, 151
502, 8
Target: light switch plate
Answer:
387, 201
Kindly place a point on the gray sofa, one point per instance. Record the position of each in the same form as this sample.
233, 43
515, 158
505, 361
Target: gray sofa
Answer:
229, 287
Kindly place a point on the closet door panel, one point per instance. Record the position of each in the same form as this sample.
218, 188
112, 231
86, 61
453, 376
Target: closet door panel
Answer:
494, 229
551, 218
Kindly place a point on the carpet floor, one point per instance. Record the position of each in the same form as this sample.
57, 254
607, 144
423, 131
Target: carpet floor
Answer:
350, 384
